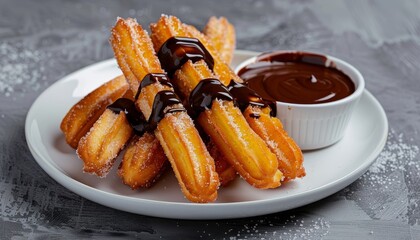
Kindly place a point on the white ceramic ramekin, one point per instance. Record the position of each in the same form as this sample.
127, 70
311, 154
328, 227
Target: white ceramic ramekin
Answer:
315, 126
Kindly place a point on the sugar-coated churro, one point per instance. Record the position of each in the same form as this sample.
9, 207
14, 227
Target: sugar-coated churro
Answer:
143, 162
221, 33
81, 117
261, 117
101, 145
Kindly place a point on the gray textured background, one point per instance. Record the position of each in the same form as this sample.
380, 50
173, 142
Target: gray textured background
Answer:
42, 41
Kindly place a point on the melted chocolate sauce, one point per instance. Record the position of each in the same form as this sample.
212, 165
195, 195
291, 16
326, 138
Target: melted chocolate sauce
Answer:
302, 57
201, 98
178, 50
134, 117
162, 101
244, 96
297, 77
152, 78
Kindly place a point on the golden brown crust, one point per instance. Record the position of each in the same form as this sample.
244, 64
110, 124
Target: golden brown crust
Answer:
271, 130
191, 76
190, 160
227, 172
143, 162
127, 40
172, 26
221, 35
186, 151
166, 26
243, 149
220, 69
101, 145
81, 117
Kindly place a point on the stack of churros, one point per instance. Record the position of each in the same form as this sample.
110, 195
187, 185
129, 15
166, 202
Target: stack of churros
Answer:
214, 129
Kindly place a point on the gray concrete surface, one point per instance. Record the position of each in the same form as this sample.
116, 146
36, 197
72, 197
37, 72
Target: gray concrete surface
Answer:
42, 41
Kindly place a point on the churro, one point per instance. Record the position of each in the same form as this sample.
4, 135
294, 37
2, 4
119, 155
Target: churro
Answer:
227, 172
143, 162
260, 115
101, 145
81, 117
221, 33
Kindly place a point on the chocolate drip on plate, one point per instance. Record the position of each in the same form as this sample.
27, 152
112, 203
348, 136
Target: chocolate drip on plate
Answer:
207, 90
178, 50
134, 117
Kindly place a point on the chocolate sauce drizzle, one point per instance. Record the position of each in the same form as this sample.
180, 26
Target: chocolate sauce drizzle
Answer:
178, 50
201, 98
153, 78
162, 101
244, 96
135, 118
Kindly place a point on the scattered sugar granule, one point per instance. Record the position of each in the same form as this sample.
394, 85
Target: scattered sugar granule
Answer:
20, 69
396, 155
291, 227
386, 190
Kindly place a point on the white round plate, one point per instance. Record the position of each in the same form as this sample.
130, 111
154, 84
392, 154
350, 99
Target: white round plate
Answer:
328, 170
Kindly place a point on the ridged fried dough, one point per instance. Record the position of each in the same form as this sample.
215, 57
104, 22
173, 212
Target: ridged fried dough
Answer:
81, 117
222, 36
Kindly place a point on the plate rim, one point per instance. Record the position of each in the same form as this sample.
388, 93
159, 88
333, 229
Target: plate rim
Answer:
88, 191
